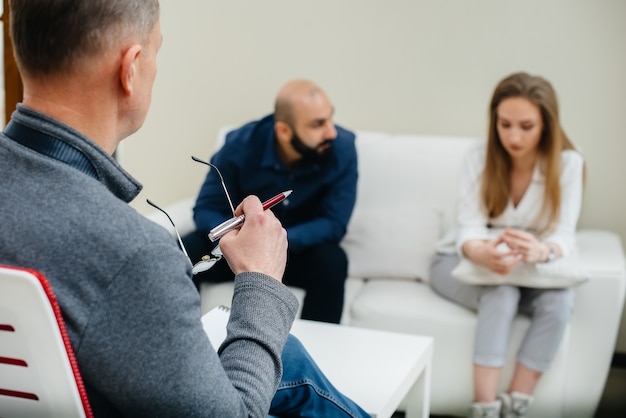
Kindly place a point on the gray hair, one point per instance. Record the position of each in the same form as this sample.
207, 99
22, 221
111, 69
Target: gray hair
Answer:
50, 36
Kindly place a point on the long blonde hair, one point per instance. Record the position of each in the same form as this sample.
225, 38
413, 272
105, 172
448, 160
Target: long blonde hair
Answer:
496, 179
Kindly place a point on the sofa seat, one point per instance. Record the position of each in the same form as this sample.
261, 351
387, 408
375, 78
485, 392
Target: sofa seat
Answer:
412, 307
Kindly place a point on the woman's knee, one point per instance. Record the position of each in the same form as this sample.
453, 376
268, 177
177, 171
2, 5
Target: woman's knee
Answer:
440, 272
500, 300
558, 304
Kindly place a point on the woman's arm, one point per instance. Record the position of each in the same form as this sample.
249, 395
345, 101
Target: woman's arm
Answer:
491, 254
474, 240
563, 237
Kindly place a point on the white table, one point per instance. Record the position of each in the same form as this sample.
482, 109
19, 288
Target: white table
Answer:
376, 369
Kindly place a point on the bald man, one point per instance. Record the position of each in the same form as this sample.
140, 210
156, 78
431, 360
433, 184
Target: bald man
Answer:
298, 148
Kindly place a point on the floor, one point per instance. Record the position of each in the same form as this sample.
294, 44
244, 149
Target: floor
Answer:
613, 402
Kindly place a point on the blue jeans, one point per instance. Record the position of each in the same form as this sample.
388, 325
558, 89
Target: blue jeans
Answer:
304, 391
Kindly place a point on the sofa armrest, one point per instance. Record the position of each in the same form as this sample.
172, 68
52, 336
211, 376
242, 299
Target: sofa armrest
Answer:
595, 322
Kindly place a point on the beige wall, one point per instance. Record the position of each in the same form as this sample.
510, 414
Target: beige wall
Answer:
421, 66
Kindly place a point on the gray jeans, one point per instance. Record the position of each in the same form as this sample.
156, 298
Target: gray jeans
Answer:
549, 311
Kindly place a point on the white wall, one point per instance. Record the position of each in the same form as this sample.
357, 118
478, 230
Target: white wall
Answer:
412, 66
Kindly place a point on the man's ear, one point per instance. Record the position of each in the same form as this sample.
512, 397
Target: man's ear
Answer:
128, 68
282, 130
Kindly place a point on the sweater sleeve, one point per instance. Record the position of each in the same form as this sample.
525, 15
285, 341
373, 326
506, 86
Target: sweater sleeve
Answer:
145, 352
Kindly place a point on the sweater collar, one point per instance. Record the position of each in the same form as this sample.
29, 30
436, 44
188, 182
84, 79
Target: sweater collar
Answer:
50, 146
56, 140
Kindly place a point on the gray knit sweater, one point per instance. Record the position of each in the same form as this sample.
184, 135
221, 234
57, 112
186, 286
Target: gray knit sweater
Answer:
126, 293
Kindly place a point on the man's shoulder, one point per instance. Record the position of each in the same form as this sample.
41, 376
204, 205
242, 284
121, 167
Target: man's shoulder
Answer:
251, 130
345, 134
345, 142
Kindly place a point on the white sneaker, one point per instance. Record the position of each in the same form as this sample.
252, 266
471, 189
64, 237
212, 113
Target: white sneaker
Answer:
515, 405
485, 410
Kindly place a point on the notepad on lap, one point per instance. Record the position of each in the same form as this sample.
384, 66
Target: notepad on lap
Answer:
214, 324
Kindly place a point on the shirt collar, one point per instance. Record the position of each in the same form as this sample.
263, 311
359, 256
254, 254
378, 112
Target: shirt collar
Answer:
270, 157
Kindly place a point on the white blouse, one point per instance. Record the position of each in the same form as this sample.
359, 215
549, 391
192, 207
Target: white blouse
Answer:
473, 223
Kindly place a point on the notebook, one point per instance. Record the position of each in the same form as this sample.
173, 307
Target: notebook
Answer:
214, 324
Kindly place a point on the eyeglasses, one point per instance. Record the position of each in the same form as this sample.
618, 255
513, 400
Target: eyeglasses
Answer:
209, 260
217, 170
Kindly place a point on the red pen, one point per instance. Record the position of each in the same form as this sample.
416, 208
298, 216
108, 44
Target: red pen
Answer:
232, 223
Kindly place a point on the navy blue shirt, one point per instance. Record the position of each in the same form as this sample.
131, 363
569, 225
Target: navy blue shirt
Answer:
323, 195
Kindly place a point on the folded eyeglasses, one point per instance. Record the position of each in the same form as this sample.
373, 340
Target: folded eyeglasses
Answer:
209, 260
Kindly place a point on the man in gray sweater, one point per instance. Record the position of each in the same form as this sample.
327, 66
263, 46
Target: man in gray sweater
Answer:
124, 287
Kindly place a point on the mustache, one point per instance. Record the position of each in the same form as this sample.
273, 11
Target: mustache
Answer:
326, 142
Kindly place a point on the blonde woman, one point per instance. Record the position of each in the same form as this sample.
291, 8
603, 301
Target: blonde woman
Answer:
522, 192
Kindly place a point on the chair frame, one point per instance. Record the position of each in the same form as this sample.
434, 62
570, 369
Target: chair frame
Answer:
37, 361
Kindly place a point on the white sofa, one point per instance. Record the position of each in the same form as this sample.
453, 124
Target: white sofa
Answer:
406, 201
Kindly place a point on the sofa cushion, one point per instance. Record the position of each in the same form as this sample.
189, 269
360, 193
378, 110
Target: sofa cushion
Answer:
565, 272
405, 201
396, 244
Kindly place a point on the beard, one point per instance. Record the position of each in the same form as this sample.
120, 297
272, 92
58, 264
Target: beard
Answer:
312, 154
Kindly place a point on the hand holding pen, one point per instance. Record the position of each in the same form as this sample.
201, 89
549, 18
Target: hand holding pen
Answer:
236, 221
259, 245
208, 261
